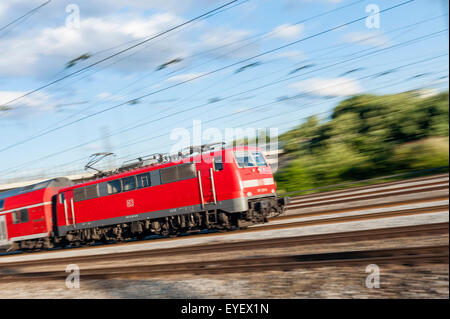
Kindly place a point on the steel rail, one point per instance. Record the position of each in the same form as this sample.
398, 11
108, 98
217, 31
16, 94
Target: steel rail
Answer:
372, 186
408, 256
264, 244
291, 214
362, 207
390, 191
368, 197
420, 178
295, 224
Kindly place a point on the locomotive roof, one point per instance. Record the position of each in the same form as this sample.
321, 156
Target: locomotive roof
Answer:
154, 167
55, 182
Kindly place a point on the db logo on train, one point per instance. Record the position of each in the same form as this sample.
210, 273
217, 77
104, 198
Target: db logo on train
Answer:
130, 203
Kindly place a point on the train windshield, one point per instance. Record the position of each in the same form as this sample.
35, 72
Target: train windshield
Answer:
249, 158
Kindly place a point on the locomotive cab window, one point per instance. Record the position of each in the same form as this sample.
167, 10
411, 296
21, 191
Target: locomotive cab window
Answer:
2, 203
244, 159
259, 159
114, 187
249, 159
129, 183
20, 216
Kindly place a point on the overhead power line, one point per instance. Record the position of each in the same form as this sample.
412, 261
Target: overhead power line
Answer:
32, 11
240, 93
259, 36
259, 120
217, 118
200, 76
244, 124
120, 52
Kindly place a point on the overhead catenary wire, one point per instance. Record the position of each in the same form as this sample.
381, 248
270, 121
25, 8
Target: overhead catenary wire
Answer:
146, 46
303, 108
128, 85
247, 123
202, 75
260, 36
233, 95
215, 119
120, 52
22, 17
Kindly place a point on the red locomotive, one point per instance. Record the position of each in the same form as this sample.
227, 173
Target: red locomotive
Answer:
221, 189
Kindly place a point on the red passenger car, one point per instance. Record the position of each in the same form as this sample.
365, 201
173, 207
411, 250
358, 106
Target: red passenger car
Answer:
26, 213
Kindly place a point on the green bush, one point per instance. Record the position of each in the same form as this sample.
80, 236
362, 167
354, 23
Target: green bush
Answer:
293, 177
367, 136
422, 154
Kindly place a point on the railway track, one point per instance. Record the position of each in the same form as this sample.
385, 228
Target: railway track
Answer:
321, 199
395, 204
319, 202
263, 244
411, 182
408, 256
284, 223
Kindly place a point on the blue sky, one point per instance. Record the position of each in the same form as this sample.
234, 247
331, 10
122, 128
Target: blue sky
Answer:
35, 51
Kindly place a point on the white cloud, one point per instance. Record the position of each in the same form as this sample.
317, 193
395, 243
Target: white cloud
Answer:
230, 43
26, 106
219, 37
2, 8
46, 51
183, 77
106, 96
369, 38
292, 55
41, 52
340, 86
287, 31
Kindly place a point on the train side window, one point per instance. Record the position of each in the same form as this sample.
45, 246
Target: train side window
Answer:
24, 215
61, 198
169, 174
218, 163
102, 189
79, 194
144, 180
2, 203
186, 171
91, 191
114, 187
20, 216
129, 183
155, 178
16, 217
